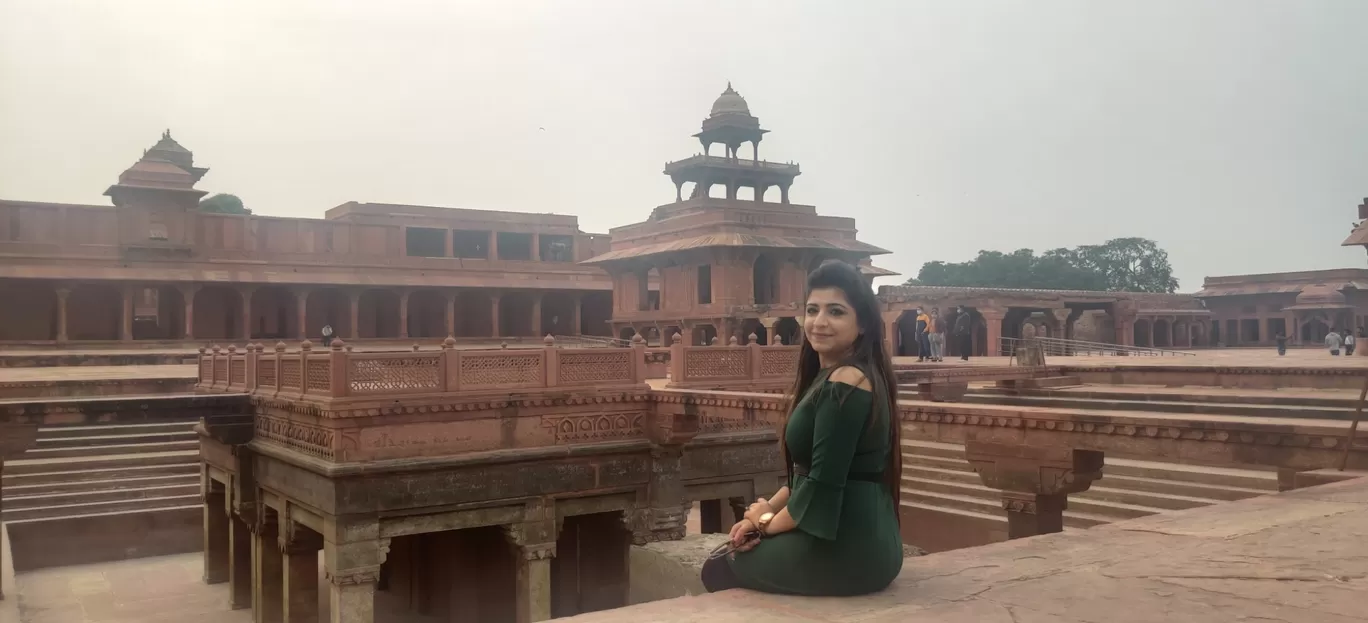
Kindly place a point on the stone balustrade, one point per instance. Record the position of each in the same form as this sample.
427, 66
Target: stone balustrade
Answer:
751, 367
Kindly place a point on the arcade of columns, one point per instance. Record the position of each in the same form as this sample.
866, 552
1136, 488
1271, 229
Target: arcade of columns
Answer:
198, 311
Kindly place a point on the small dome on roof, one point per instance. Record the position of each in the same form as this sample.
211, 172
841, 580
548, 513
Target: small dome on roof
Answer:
730, 102
1321, 294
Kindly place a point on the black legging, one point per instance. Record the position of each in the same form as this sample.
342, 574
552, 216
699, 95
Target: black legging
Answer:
717, 575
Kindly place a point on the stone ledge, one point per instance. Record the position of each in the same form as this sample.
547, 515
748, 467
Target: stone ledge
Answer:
1299, 556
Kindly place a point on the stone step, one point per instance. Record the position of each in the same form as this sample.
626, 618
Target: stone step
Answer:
115, 438
1189, 396
95, 467
1062, 400
58, 432
21, 501
112, 449
951, 456
1143, 491
72, 482
86, 508
1114, 510
938, 501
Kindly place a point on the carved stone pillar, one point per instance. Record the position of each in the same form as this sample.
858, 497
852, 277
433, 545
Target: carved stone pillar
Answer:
62, 294
534, 544
992, 319
404, 313
664, 512
493, 245
302, 313
1035, 481
576, 322
536, 315
353, 569
494, 314
267, 581
451, 313
354, 324
126, 315
216, 538
299, 545
188, 293
239, 564
246, 311
536, 247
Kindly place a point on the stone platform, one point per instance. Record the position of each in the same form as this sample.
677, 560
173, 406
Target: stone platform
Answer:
83, 381
1298, 557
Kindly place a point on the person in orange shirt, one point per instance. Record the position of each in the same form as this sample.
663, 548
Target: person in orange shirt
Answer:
936, 333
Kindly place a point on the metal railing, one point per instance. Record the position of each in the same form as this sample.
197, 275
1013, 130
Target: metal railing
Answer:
1077, 348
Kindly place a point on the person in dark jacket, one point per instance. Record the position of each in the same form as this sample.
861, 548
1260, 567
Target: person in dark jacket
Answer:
964, 337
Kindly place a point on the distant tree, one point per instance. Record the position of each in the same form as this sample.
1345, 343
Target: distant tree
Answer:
1123, 264
223, 203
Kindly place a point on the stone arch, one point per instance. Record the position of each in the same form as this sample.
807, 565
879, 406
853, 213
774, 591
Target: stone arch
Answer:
1142, 333
159, 314
765, 280
427, 314
702, 335
905, 340
788, 329
474, 314
328, 307
378, 314
94, 311
1182, 334
515, 315
218, 313
36, 319
558, 312
749, 326
1162, 334
273, 314
596, 309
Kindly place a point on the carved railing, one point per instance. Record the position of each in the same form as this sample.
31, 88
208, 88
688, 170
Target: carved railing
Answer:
732, 366
340, 372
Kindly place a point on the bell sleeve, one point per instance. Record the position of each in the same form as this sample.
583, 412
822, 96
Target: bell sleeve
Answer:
815, 503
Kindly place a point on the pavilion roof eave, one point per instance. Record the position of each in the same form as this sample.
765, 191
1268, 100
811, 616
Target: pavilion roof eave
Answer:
1359, 237
737, 241
1318, 306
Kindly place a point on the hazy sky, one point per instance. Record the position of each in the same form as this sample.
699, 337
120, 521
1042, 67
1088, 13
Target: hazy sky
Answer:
1235, 133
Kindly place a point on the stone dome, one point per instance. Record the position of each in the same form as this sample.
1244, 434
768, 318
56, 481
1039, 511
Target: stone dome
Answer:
730, 102
1321, 295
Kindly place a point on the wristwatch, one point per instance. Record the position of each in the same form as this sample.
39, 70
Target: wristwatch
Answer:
764, 521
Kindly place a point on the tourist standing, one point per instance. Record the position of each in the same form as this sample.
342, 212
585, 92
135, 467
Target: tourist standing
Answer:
1349, 342
937, 335
923, 336
964, 336
1333, 341
1282, 343
327, 335
833, 530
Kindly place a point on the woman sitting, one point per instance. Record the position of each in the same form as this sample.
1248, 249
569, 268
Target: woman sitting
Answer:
834, 529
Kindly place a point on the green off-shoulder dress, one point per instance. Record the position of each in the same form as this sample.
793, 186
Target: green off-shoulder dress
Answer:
847, 540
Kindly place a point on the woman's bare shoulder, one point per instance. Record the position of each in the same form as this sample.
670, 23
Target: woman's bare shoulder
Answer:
850, 375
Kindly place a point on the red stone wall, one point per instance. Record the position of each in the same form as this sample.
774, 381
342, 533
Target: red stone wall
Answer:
36, 319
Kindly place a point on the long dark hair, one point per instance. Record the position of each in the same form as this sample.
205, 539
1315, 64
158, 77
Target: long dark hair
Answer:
868, 355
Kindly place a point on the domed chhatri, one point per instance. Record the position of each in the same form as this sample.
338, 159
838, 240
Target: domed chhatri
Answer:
730, 102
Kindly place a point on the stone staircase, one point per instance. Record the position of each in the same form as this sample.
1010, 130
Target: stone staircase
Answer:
80, 471
936, 478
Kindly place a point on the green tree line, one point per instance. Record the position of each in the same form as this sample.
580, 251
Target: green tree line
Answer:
1121, 264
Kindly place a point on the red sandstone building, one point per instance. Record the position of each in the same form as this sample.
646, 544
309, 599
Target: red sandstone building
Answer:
727, 266
154, 268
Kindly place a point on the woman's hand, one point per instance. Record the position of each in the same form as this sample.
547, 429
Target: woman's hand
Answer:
740, 530
760, 507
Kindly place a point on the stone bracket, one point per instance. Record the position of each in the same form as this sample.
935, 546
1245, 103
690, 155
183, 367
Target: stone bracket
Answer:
1035, 481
